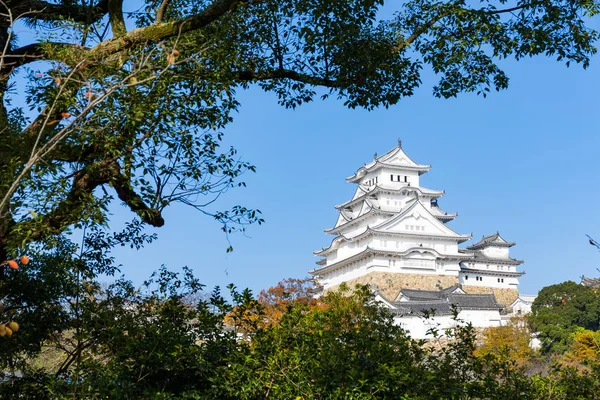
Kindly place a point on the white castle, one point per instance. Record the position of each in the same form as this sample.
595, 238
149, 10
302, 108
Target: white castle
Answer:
393, 235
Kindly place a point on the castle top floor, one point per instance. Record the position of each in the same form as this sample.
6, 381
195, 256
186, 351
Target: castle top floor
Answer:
392, 170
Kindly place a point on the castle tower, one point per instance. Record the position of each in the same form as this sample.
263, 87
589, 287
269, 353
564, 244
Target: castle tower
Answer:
393, 235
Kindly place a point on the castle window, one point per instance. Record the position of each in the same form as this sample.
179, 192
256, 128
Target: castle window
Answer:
392, 178
399, 178
466, 277
406, 179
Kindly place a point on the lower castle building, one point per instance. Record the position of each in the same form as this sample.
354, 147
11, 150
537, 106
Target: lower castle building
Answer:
393, 235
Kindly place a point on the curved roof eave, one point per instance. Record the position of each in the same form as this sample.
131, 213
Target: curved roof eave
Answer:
372, 211
420, 168
509, 274
370, 251
369, 230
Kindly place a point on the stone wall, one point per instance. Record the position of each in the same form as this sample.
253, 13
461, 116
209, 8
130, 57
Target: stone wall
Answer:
504, 296
390, 283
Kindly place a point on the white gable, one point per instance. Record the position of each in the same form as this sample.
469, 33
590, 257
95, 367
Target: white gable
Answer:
416, 219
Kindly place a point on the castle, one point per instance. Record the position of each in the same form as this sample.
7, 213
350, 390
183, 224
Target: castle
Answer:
393, 236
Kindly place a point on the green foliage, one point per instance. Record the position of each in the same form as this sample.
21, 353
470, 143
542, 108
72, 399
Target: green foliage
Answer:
139, 115
560, 309
168, 340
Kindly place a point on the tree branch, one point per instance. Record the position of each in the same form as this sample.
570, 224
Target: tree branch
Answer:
70, 210
425, 27
289, 74
45, 11
115, 15
34, 52
134, 201
160, 13
166, 30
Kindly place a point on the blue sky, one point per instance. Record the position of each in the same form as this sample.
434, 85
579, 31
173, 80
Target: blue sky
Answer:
523, 162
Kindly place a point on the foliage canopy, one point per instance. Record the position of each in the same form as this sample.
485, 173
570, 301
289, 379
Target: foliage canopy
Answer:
559, 310
131, 105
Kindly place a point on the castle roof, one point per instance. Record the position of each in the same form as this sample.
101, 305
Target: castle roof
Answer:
364, 192
368, 252
395, 159
439, 214
491, 240
507, 274
442, 302
481, 257
590, 282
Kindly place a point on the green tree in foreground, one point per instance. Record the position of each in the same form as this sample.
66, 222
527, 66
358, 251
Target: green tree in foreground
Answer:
168, 340
559, 310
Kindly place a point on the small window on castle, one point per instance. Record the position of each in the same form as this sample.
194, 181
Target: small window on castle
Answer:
406, 179
399, 178
392, 178
466, 277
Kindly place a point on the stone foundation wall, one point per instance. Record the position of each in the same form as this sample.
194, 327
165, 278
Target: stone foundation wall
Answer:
390, 283
504, 296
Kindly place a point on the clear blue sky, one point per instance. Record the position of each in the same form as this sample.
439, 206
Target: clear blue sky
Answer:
523, 162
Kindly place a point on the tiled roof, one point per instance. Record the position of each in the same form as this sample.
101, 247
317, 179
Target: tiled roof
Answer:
491, 240
422, 307
441, 302
479, 256
474, 301
590, 282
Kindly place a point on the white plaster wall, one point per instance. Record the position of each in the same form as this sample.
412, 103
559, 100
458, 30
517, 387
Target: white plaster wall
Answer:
418, 327
385, 175
521, 307
496, 252
487, 280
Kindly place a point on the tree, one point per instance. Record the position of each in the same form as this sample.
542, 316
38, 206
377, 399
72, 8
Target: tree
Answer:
559, 310
508, 342
86, 340
132, 107
585, 348
350, 347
